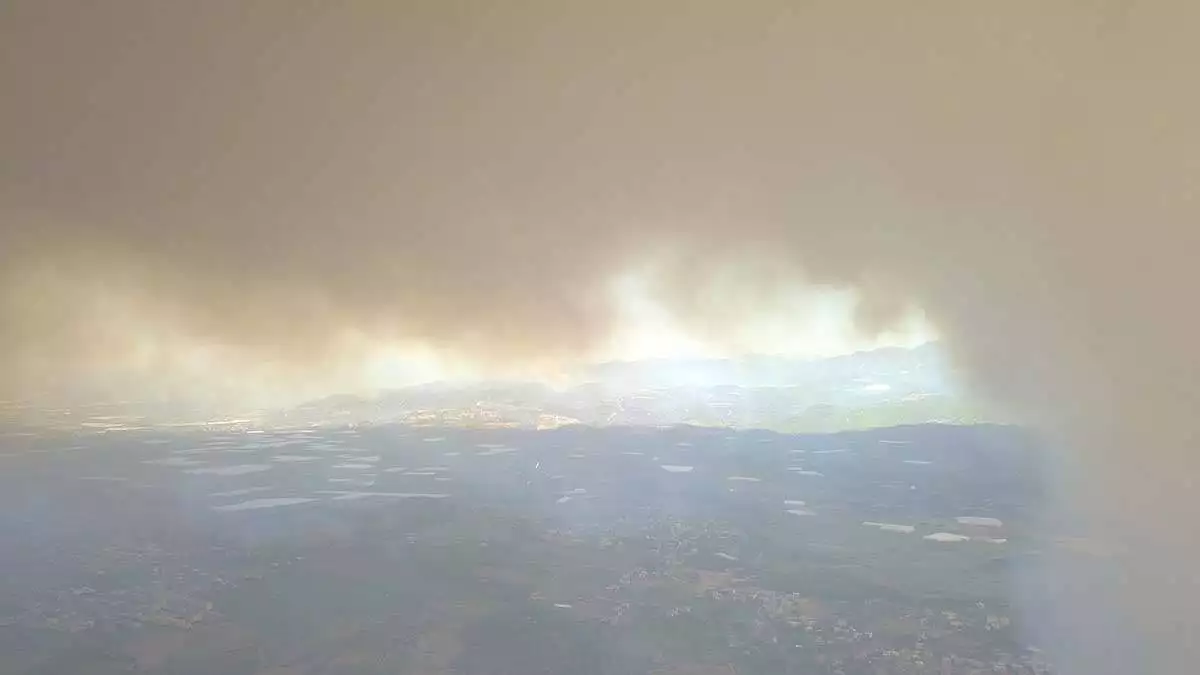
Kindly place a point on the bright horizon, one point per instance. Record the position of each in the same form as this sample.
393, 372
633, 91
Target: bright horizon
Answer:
821, 325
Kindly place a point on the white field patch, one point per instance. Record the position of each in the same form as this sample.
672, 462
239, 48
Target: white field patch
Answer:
265, 503
241, 491
677, 468
801, 512
348, 495
946, 537
235, 470
979, 521
891, 527
744, 479
362, 481
245, 449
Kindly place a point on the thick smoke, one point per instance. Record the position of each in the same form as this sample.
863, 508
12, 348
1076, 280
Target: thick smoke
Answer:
283, 178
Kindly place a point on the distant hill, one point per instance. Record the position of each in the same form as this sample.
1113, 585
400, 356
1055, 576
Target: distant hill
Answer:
876, 388
925, 365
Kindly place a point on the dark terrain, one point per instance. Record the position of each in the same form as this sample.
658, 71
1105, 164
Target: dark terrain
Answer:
507, 551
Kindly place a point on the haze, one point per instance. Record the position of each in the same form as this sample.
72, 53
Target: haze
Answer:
282, 183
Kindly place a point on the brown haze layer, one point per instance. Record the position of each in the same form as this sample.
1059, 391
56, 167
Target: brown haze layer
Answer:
273, 177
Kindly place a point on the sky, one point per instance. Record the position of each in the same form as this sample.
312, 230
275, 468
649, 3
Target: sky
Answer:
286, 192
266, 192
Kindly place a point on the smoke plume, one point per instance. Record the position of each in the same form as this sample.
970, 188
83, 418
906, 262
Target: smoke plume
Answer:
282, 178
